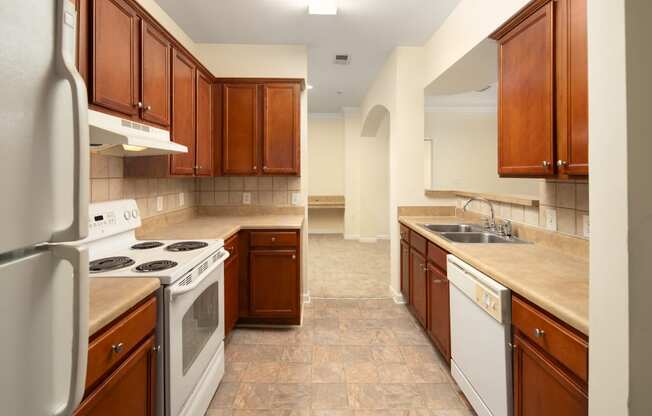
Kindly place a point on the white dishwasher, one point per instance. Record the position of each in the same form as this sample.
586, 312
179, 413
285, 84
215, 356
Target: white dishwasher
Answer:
481, 359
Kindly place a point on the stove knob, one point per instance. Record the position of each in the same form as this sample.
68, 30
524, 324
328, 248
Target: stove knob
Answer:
134, 213
127, 215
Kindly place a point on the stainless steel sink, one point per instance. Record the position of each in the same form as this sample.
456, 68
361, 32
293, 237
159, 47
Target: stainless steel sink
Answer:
480, 238
451, 228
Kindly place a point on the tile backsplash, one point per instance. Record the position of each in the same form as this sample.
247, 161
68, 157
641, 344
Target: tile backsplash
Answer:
261, 190
568, 200
109, 183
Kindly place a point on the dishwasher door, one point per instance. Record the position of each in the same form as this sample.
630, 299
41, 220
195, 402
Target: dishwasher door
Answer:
481, 360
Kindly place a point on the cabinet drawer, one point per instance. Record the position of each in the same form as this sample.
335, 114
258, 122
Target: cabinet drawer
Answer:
565, 346
437, 256
273, 239
405, 233
231, 245
114, 345
418, 243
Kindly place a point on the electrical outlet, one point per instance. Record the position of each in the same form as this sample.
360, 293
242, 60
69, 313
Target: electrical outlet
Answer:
296, 198
246, 198
182, 199
159, 203
586, 226
551, 219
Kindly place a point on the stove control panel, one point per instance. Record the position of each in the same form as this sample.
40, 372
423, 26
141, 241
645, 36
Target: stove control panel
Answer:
112, 218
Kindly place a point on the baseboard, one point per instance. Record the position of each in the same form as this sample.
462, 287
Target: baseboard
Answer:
325, 232
383, 237
368, 239
351, 237
397, 296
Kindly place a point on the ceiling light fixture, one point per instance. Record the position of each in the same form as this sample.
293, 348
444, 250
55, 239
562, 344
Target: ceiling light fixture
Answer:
322, 7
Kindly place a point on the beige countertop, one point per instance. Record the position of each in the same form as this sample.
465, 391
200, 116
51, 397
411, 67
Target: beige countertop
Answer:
553, 280
111, 297
220, 226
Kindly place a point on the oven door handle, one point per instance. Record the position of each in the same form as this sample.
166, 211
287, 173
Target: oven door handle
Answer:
179, 289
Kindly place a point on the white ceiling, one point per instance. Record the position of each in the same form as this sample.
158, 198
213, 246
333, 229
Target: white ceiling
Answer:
366, 29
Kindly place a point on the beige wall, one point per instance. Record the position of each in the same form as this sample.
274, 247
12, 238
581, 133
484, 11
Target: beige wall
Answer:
374, 184
326, 158
465, 153
352, 128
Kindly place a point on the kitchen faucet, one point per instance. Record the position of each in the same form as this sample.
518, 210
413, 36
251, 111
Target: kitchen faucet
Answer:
492, 221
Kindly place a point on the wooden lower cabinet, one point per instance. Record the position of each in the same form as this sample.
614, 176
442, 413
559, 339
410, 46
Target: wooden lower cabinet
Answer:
419, 286
405, 271
122, 363
541, 387
439, 327
231, 291
273, 283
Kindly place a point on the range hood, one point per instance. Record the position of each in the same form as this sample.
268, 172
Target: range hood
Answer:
115, 136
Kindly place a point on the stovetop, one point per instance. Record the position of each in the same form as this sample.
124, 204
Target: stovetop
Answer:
168, 260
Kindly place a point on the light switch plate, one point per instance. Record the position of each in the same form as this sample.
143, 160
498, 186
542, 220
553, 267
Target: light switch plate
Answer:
182, 199
159, 203
586, 231
296, 198
246, 198
551, 219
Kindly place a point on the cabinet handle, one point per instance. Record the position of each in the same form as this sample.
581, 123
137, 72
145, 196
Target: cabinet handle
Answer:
545, 164
438, 281
539, 333
562, 163
117, 348
512, 346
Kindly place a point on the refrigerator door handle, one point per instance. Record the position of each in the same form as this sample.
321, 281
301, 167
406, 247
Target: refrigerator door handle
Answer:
78, 257
66, 45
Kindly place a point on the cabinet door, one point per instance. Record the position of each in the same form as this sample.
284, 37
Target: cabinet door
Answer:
541, 388
526, 97
572, 88
240, 129
231, 292
183, 112
405, 271
281, 106
273, 283
419, 286
115, 56
155, 75
439, 326
204, 125
129, 390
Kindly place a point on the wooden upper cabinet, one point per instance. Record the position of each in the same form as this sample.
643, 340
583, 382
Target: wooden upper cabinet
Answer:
572, 90
183, 112
204, 156
155, 76
240, 129
543, 91
526, 97
281, 121
115, 61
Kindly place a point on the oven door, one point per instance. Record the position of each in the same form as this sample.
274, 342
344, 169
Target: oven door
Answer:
195, 323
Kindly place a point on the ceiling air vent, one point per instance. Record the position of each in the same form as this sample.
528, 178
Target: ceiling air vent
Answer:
343, 59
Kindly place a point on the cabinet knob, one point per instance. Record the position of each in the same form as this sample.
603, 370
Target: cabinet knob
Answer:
562, 163
255, 167
117, 348
545, 163
273, 239
294, 257
539, 333
156, 348
139, 104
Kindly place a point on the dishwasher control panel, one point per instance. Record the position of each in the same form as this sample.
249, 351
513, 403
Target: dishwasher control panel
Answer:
488, 301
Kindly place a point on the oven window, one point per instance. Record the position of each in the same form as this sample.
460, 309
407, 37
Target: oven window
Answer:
199, 323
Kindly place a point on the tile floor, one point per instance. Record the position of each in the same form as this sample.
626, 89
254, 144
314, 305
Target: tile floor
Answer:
349, 358
341, 268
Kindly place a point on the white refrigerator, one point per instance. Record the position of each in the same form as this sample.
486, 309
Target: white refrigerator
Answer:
44, 183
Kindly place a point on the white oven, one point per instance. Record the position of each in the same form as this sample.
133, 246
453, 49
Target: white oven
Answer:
194, 336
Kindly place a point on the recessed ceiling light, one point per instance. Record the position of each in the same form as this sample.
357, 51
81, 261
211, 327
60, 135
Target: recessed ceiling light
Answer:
322, 7
309, 86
